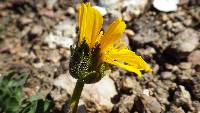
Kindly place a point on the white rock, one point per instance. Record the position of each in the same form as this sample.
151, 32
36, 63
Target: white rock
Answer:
185, 94
107, 3
38, 65
55, 40
62, 35
67, 28
100, 93
102, 10
71, 11
166, 5
134, 3
146, 92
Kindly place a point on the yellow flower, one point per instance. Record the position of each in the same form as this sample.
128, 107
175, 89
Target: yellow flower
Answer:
112, 49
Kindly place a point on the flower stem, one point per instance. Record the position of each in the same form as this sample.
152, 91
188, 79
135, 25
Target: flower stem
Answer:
76, 96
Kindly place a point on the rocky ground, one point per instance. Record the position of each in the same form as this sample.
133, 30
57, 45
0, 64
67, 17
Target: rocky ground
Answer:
35, 37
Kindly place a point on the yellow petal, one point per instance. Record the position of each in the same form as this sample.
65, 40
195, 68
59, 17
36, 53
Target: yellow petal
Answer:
82, 21
120, 45
99, 37
112, 34
90, 23
126, 59
126, 67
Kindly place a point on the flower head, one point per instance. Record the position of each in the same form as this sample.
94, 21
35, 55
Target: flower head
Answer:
103, 48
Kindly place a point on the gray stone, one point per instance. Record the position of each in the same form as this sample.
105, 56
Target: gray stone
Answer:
186, 41
130, 84
182, 98
185, 65
147, 104
167, 75
126, 104
133, 8
194, 57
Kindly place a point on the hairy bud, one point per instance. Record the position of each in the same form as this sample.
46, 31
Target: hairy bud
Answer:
85, 64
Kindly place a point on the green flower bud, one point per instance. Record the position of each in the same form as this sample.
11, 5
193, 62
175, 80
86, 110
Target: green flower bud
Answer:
85, 64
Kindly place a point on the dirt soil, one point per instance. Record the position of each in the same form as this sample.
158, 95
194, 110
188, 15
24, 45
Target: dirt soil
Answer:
169, 42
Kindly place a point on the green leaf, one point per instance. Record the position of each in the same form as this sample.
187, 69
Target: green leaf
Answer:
21, 81
11, 92
38, 106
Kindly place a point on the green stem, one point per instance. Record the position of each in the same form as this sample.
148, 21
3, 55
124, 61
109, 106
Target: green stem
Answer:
76, 96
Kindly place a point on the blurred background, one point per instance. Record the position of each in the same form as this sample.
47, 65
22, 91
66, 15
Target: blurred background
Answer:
35, 39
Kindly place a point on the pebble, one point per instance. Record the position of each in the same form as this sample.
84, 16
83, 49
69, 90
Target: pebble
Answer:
186, 41
133, 8
183, 44
167, 75
126, 103
38, 65
182, 98
25, 20
194, 57
107, 3
147, 104
66, 28
146, 92
146, 37
47, 13
185, 65
166, 5
37, 30
51, 3
129, 32
53, 41
162, 95
63, 35
71, 11
130, 84
150, 51
54, 56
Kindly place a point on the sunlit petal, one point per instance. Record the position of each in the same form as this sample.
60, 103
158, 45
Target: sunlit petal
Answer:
90, 23
126, 59
113, 34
